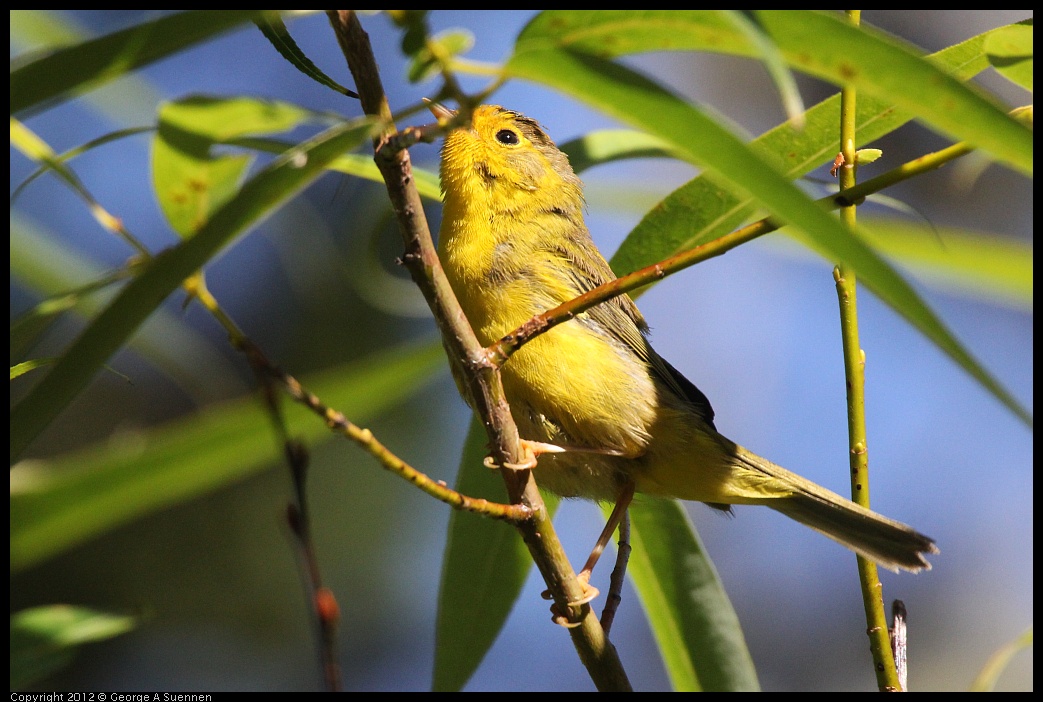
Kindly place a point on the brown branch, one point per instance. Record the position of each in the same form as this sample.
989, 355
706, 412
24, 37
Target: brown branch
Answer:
500, 351
481, 377
619, 572
322, 602
514, 513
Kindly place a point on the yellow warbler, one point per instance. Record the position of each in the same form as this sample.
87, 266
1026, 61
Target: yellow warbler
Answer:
513, 244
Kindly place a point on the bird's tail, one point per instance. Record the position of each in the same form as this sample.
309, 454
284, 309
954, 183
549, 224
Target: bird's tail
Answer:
890, 544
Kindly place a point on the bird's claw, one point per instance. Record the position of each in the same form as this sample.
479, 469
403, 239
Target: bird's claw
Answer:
590, 593
530, 450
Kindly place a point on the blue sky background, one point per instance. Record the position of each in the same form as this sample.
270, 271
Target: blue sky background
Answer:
757, 330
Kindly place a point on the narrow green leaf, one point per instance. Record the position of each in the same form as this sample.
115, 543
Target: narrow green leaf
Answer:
45, 639
278, 182
607, 145
826, 45
819, 43
427, 183
275, 31
72, 153
634, 99
773, 61
27, 141
72, 70
1011, 52
692, 619
62, 502
20, 369
191, 183
483, 570
611, 33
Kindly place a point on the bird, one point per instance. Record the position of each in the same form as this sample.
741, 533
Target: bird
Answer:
603, 414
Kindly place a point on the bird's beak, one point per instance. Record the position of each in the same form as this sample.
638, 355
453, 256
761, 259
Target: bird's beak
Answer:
441, 113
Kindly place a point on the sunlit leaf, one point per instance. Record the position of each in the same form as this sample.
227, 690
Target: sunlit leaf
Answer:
74, 69
190, 181
45, 639
692, 619
1011, 53
483, 571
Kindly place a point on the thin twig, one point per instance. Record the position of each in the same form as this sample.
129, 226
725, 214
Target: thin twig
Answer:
323, 603
619, 573
514, 513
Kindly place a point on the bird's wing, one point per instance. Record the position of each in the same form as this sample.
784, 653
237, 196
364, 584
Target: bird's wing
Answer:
621, 318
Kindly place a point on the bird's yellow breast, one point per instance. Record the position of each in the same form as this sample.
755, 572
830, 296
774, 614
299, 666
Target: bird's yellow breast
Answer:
574, 379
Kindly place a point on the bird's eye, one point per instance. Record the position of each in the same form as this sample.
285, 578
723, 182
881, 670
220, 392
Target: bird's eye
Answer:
506, 136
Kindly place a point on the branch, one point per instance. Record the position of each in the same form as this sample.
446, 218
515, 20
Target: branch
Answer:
854, 372
322, 601
515, 513
480, 377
